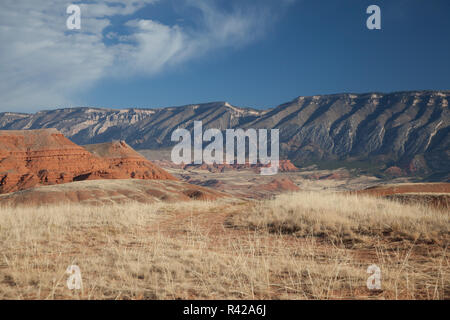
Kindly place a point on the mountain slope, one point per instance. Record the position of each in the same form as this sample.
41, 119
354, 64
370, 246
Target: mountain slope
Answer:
144, 129
408, 130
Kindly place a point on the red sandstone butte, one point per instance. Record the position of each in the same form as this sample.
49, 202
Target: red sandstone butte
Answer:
124, 162
287, 166
29, 158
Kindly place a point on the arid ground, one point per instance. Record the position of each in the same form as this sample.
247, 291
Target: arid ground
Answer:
311, 244
153, 230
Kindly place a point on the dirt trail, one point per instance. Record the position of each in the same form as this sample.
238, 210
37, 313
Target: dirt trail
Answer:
214, 225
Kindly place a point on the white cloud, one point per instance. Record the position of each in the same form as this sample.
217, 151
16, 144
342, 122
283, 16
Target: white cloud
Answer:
42, 65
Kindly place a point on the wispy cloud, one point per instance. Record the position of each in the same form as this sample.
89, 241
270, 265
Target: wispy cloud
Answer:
42, 65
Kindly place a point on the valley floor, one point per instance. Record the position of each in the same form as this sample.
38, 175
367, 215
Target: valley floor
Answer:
303, 245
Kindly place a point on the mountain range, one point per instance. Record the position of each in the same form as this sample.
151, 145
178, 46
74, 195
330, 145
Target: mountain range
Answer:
400, 133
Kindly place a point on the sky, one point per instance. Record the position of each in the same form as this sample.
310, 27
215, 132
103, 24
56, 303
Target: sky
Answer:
250, 53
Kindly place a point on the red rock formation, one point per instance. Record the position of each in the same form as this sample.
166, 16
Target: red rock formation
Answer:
394, 171
124, 162
284, 166
44, 157
279, 185
287, 166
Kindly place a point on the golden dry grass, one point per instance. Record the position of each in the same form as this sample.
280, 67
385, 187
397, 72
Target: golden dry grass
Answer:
185, 250
348, 218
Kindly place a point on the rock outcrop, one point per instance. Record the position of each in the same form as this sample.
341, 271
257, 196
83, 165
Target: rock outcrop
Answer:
29, 158
283, 184
124, 162
284, 166
408, 130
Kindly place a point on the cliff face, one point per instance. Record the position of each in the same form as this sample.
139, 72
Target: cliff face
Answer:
141, 129
408, 130
43, 157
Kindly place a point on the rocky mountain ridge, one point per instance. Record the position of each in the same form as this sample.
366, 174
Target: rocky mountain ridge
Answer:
400, 133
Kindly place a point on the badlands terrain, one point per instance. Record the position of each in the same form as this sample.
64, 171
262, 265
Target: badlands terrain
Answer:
140, 227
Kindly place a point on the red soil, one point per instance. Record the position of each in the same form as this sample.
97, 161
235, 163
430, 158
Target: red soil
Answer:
110, 192
432, 194
385, 190
279, 185
30, 158
287, 166
394, 171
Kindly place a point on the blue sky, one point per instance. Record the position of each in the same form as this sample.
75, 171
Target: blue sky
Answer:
255, 53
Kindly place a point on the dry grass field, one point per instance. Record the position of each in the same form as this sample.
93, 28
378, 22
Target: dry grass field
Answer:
305, 245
